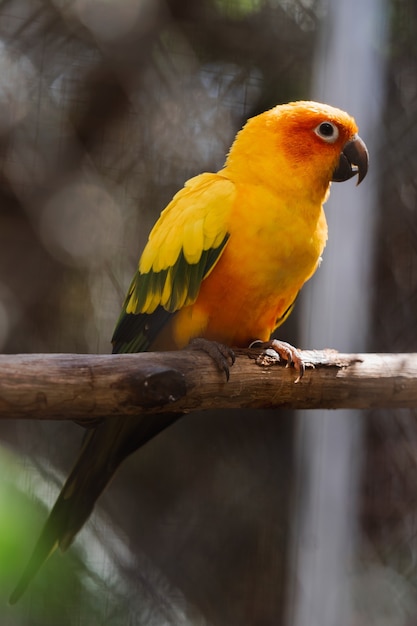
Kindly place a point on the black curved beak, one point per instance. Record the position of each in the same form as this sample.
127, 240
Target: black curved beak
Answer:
354, 159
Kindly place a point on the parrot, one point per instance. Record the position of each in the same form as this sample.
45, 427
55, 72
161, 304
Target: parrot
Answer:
223, 264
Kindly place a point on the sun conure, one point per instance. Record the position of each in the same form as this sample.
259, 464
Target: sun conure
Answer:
224, 262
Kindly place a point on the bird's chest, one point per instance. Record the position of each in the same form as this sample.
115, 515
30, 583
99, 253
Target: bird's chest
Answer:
276, 246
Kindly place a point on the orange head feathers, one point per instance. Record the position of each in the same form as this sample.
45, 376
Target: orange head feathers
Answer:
301, 144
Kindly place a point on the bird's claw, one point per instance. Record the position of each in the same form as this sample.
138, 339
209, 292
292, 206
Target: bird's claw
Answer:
221, 354
276, 351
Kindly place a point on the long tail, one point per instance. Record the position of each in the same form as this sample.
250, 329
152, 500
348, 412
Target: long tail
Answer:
104, 448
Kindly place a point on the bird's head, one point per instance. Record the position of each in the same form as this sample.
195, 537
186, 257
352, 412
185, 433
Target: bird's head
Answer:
304, 144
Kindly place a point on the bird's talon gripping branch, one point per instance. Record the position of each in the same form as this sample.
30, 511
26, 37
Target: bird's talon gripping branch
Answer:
275, 351
291, 355
220, 353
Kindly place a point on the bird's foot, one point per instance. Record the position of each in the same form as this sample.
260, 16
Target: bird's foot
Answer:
221, 354
276, 351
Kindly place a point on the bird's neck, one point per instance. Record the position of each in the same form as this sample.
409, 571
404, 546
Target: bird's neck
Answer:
291, 187
302, 181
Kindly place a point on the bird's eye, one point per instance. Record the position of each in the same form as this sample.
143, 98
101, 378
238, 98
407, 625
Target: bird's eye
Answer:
327, 131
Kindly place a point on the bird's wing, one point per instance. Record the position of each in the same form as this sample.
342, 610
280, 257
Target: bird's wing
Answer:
183, 247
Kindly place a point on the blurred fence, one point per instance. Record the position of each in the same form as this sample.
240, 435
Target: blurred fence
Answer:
105, 109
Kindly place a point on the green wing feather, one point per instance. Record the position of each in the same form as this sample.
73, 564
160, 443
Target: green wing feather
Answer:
183, 247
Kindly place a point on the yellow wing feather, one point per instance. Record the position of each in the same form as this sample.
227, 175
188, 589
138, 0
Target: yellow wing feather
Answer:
199, 209
183, 246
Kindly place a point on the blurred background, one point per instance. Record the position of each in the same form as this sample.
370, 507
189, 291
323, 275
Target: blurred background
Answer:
106, 108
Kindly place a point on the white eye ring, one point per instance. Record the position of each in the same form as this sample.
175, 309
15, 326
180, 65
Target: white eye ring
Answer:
327, 131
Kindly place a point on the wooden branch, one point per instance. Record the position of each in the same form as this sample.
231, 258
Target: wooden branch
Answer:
72, 386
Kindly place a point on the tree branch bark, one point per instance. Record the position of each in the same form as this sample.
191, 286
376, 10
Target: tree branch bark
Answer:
73, 386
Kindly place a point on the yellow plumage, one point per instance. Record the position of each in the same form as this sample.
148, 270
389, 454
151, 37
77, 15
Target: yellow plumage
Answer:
225, 261
195, 220
237, 246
